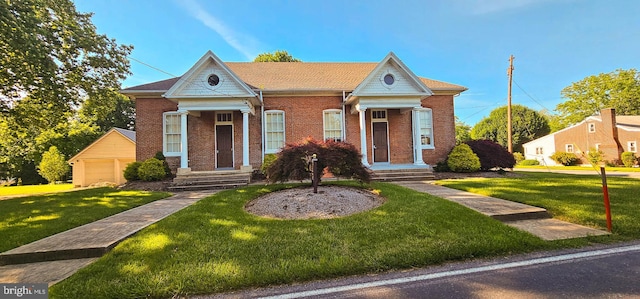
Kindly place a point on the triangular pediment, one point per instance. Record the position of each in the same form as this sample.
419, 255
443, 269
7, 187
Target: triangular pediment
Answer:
391, 77
209, 78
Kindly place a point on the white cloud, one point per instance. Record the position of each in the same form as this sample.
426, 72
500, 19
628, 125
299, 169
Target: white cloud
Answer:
244, 43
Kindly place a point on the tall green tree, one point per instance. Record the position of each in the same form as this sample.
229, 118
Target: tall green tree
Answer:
53, 166
463, 131
619, 89
53, 53
277, 56
52, 61
527, 125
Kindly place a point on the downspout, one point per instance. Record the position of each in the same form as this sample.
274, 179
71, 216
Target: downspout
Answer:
344, 117
262, 126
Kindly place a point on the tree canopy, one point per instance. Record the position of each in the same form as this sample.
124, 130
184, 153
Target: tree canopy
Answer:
527, 125
277, 56
619, 90
58, 83
463, 131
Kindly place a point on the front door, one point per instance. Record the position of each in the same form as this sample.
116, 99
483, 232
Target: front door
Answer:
224, 146
380, 142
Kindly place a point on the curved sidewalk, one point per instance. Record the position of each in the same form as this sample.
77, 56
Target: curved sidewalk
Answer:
56, 257
524, 217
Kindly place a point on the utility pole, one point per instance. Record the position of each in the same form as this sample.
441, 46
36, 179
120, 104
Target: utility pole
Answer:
509, 132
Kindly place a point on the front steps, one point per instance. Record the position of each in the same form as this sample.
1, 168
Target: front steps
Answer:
408, 174
210, 180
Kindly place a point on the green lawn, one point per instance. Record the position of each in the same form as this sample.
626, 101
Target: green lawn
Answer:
26, 219
215, 246
587, 168
573, 198
34, 189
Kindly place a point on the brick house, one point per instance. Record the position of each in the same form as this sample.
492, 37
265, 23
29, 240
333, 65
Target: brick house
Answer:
228, 115
608, 133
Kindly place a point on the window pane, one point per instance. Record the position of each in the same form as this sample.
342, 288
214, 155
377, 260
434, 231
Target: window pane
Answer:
426, 133
333, 125
274, 131
172, 133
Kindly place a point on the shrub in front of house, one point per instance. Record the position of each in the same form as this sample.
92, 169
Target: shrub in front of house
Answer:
441, 166
131, 171
151, 169
268, 161
491, 154
519, 157
564, 158
529, 162
629, 159
594, 156
160, 156
292, 162
462, 159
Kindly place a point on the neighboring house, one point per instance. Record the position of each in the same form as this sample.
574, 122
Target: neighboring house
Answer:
606, 132
104, 160
228, 115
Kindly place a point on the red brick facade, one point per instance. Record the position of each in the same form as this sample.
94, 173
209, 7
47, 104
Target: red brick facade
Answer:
303, 118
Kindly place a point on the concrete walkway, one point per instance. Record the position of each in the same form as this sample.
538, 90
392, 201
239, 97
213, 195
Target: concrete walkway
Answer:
534, 220
56, 257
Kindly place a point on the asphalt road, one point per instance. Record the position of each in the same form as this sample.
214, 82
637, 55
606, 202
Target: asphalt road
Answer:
587, 171
600, 272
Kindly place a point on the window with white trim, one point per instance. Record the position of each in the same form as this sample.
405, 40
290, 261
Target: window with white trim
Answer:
332, 122
539, 150
171, 139
632, 146
597, 146
592, 127
274, 131
568, 148
425, 122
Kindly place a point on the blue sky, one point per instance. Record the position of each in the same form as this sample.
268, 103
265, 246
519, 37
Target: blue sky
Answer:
466, 42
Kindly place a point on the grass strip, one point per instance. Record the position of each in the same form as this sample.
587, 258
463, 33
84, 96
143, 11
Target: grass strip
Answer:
27, 219
573, 198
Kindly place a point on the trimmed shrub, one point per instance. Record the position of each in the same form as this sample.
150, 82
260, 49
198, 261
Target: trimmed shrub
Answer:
594, 156
529, 162
151, 169
519, 157
342, 159
268, 161
53, 166
628, 159
131, 171
564, 158
462, 159
441, 166
491, 154
160, 156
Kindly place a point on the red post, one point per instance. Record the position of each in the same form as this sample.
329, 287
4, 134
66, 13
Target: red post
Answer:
605, 193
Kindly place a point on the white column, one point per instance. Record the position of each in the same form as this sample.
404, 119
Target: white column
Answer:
245, 139
363, 136
417, 143
184, 145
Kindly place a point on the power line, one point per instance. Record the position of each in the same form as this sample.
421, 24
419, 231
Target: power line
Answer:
153, 67
527, 94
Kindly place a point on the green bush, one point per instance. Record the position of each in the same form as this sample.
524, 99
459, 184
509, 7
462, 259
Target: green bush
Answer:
131, 171
151, 169
268, 161
564, 158
462, 159
518, 156
529, 162
160, 156
594, 156
441, 167
53, 166
629, 159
